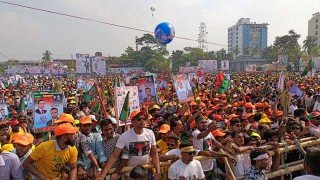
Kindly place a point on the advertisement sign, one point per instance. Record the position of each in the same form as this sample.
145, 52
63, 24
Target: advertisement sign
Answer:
147, 90
283, 59
189, 69
125, 70
50, 69
84, 83
47, 108
208, 65
225, 65
251, 68
183, 88
120, 96
83, 63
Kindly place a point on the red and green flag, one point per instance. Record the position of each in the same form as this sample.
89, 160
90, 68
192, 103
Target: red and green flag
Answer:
89, 95
307, 69
222, 83
22, 105
125, 111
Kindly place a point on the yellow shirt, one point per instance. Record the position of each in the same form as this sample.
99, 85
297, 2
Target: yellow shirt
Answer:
50, 158
163, 146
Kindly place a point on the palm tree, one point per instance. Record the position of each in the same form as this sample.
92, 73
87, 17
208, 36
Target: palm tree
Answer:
46, 58
309, 43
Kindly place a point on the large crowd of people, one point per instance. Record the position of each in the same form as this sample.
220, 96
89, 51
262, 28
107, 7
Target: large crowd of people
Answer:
229, 129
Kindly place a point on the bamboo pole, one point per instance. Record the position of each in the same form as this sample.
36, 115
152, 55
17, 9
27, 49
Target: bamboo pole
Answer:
230, 171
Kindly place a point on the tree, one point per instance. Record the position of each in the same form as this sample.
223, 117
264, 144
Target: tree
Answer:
309, 43
315, 51
46, 58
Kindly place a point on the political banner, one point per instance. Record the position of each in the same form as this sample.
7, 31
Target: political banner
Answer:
47, 108
125, 70
183, 88
225, 65
99, 65
161, 84
29, 98
84, 83
208, 65
83, 64
283, 59
147, 90
193, 79
296, 91
251, 68
120, 96
50, 69
3, 111
187, 69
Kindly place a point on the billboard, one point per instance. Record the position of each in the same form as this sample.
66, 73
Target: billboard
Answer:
50, 69
251, 68
183, 88
99, 65
208, 65
225, 65
147, 90
83, 63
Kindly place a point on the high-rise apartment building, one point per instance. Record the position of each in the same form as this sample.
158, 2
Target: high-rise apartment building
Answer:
247, 38
314, 26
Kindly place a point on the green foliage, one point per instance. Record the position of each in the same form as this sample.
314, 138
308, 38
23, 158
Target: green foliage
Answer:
46, 57
309, 43
315, 51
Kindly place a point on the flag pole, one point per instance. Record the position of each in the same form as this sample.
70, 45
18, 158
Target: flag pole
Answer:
101, 101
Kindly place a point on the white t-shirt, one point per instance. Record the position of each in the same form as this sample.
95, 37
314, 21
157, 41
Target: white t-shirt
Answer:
139, 146
204, 144
307, 177
179, 170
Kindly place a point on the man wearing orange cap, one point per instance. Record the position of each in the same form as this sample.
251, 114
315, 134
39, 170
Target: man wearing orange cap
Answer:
15, 128
141, 143
164, 133
95, 142
49, 157
24, 148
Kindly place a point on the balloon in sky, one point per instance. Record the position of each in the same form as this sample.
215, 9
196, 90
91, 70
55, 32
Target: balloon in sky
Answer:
164, 33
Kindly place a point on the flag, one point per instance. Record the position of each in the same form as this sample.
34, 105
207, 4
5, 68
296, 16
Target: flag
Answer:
89, 95
222, 83
296, 91
125, 111
268, 73
117, 83
165, 71
22, 105
307, 69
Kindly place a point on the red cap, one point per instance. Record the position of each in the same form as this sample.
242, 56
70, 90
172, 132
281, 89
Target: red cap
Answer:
14, 122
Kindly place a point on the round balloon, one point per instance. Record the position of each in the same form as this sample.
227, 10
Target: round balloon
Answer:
164, 33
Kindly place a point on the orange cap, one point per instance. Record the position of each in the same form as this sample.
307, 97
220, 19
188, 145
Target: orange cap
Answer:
218, 133
24, 139
85, 120
265, 104
193, 103
65, 128
259, 105
249, 115
202, 105
135, 113
164, 128
232, 116
235, 105
193, 124
249, 105
241, 103
215, 99
224, 101
279, 113
223, 95
64, 118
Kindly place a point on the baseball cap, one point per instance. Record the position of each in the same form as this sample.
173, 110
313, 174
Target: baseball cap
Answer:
85, 120
65, 128
135, 113
64, 118
164, 128
217, 117
264, 120
24, 139
113, 120
248, 105
14, 122
218, 133
314, 114
155, 107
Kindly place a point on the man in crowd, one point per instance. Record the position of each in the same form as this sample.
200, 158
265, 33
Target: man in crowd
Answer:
50, 156
10, 166
141, 144
311, 165
186, 167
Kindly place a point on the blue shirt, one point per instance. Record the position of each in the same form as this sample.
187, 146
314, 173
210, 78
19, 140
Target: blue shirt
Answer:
10, 167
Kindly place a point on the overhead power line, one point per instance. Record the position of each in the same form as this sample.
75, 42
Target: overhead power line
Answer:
98, 21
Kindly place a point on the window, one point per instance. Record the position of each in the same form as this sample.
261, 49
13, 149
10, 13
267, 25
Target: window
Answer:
317, 26
316, 33
316, 20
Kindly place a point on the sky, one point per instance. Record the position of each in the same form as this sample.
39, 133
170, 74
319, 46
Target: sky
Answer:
25, 33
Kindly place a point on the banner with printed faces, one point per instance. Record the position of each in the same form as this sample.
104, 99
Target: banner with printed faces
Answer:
83, 63
161, 84
84, 83
120, 96
225, 65
183, 88
3, 111
147, 90
46, 110
99, 65
251, 68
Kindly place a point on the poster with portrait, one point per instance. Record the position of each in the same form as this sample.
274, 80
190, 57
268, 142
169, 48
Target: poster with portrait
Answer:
147, 90
83, 63
120, 96
29, 98
251, 68
193, 79
99, 65
161, 84
183, 88
3, 111
84, 83
47, 108
225, 65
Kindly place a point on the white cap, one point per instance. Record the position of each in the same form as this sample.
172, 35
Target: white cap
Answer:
113, 120
93, 117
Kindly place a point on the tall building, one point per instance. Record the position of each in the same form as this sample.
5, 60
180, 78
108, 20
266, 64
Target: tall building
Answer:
313, 26
247, 38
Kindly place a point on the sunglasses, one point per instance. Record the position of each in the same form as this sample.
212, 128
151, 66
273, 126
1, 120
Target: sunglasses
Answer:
141, 118
191, 153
